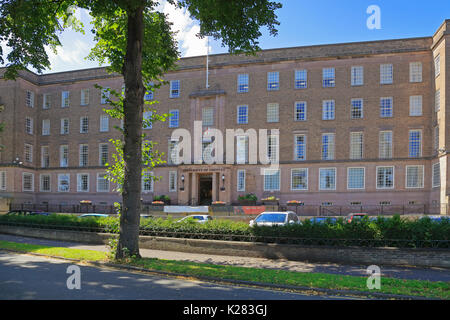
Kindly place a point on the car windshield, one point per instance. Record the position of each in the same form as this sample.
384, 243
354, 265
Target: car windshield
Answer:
271, 217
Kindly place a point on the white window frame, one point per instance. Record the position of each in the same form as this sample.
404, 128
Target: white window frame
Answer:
331, 151
104, 95
63, 127
328, 77
381, 146
3, 182
104, 123
173, 176
150, 181
348, 178
415, 71
46, 127
357, 76
79, 182
296, 158
29, 128
65, 99
276, 171
174, 118
175, 88
328, 110
62, 152
292, 179
83, 155
84, 124
84, 97
420, 179
356, 154
437, 65
60, 176
353, 107
386, 73
28, 152
29, 174
273, 112
383, 107
240, 180
435, 177
41, 182
298, 105
301, 79
101, 177
415, 106
335, 178
393, 178
208, 116
242, 83
420, 143
101, 153
273, 81
45, 157
46, 102
240, 117
29, 99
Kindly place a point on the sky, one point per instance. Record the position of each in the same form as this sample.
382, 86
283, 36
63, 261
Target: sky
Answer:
302, 23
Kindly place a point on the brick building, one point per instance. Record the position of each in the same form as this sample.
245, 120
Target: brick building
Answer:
359, 124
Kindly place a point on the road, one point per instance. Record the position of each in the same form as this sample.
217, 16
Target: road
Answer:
32, 277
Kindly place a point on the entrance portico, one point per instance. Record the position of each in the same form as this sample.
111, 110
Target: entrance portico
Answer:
204, 184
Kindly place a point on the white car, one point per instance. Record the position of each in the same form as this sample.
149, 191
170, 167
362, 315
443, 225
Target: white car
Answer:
198, 218
275, 219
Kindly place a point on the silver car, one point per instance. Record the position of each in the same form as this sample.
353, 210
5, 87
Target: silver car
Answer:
198, 218
275, 219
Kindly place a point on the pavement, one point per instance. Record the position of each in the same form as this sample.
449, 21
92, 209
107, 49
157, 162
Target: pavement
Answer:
430, 274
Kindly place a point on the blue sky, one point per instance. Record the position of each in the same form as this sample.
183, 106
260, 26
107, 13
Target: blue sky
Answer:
302, 23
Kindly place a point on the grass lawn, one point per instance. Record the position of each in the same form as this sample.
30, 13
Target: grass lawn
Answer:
313, 280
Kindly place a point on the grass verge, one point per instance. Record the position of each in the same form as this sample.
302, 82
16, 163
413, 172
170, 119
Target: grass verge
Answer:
438, 289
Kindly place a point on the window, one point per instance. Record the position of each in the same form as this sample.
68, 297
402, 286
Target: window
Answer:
386, 107
356, 178
357, 76
385, 144
105, 94
273, 81
301, 79
147, 122
386, 74
174, 118
273, 148
242, 114
385, 177
64, 156
436, 138
415, 72
242, 83
271, 179
28, 152
436, 179
27, 181
64, 126
241, 149
102, 182
172, 181
300, 111
414, 176
104, 123
44, 184
299, 179
174, 88
356, 111
173, 154
437, 65
65, 99
63, 182
356, 145
46, 127
45, 157
84, 155
328, 146
437, 100
148, 92
29, 101
415, 143
273, 112
415, 106
241, 180
328, 110
2, 180
147, 181
328, 78
300, 147
208, 117
103, 152
327, 179
46, 101
29, 125
84, 99
82, 182
84, 125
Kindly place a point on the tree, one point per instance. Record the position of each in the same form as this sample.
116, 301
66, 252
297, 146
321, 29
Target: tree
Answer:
136, 41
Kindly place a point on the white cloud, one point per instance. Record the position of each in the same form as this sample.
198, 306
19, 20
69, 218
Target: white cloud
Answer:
189, 44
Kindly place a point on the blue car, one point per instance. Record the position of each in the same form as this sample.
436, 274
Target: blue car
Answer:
323, 220
437, 219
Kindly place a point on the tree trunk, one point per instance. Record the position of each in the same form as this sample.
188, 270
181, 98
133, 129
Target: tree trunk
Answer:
133, 110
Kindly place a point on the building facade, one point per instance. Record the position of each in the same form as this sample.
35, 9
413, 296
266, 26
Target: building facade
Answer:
354, 124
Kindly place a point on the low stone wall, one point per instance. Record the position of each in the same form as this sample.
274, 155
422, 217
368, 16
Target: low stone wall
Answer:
345, 255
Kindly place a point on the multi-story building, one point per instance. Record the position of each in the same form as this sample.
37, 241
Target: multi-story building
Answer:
359, 123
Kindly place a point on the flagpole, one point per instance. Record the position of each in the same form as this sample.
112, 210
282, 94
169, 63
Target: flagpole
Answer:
207, 63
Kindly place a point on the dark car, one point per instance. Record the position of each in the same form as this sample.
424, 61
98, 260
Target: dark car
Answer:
352, 217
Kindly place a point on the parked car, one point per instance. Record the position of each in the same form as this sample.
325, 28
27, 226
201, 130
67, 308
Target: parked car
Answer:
436, 218
275, 219
93, 215
352, 217
323, 220
200, 218
27, 213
